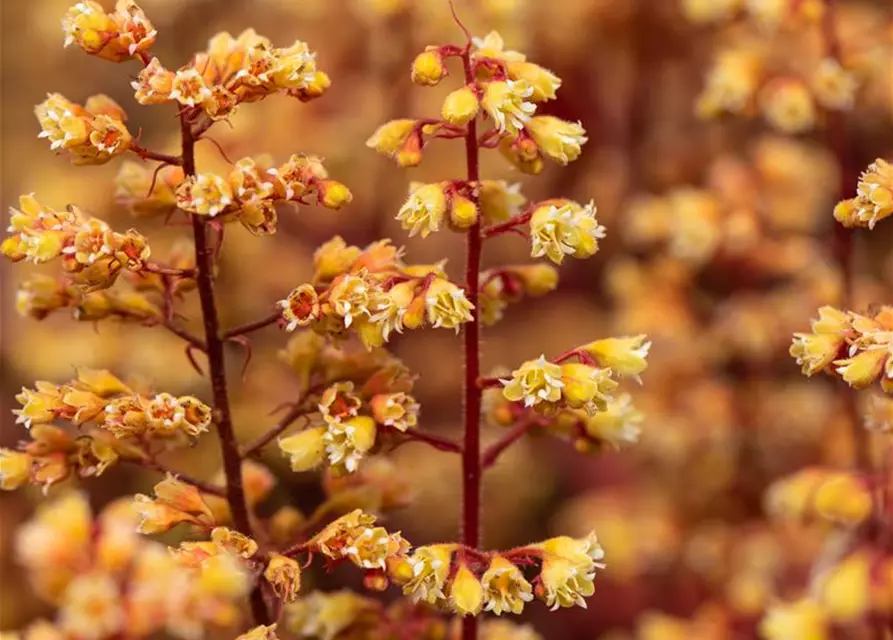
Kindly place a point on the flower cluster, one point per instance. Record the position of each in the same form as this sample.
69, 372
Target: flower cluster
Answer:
346, 435
353, 537
233, 71
91, 252
90, 134
506, 89
174, 503
107, 580
251, 190
588, 384
850, 345
450, 577
874, 198
98, 397
373, 292
117, 36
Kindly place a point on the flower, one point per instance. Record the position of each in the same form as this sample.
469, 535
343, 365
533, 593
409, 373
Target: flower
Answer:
861, 370
874, 197
430, 569
492, 46
260, 632
391, 137
833, 85
625, 356
562, 227
505, 587
466, 592
189, 88
617, 424
557, 138
544, 82
300, 308
117, 36
398, 410
89, 135
504, 101
428, 68
205, 194
568, 570
731, 83
788, 105
586, 387
354, 296
500, 200
423, 211
348, 441
460, 106
305, 450
174, 502
446, 305
284, 575
92, 607
534, 382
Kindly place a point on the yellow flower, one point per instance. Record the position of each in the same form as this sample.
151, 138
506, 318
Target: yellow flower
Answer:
174, 502
875, 193
506, 102
463, 212
333, 194
624, 356
505, 587
261, 632
327, 615
833, 85
562, 227
205, 194
398, 410
460, 106
862, 369
568, 570
424, 211
535, 381
788, 106
500, 200
234, 542
92, 607
544, 82
115, 37
391, 137
395, 310
537, 279
300, 308
430, 569
804, 620
466, 592
446, 305
844, 498
492, 46
585, 387
305, 450
284, 575
15, 469
731, 83
333, 258
189, 88
353, 297
154, 84
428, 68
347, 442
617, 424
559, 139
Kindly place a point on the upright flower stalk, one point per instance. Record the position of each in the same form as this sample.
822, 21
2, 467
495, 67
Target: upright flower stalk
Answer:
352, 402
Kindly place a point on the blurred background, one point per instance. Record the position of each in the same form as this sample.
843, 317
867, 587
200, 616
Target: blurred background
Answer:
719, 236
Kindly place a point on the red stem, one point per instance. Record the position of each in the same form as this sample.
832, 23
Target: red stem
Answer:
195, 341
229, 445
442, 444
252, 326
163, 158
471, 454
491, 455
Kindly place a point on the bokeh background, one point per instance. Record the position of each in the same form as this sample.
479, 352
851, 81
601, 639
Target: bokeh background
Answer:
718, 247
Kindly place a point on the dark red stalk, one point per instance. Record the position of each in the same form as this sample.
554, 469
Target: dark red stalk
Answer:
471, 453
229, 446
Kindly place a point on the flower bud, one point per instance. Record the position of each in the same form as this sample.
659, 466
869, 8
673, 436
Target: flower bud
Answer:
625, 356
389, 138
428, 68
537, 279
460, 106
333, 194
333, 258
463, 212
466, 592
558, 139
306, 450
284, 575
